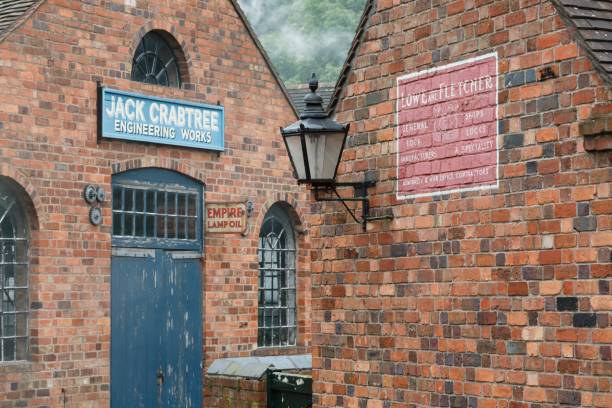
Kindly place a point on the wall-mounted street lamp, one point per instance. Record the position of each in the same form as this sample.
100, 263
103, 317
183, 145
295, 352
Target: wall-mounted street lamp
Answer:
315, 144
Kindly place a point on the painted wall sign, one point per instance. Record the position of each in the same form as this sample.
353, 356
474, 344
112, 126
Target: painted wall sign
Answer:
226, 218
447, 128
131, 116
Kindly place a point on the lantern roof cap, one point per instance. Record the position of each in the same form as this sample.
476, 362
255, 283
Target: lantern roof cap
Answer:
313, 101
314, 118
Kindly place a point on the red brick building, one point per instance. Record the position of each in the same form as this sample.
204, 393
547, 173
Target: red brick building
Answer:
82, 300
481, 291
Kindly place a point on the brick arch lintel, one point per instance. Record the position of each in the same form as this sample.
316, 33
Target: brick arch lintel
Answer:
33, 206
159, 162
161, 25
294, 211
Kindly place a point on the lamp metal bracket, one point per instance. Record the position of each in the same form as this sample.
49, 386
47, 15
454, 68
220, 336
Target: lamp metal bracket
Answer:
360, 195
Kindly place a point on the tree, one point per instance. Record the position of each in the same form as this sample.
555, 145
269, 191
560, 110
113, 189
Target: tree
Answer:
305, 36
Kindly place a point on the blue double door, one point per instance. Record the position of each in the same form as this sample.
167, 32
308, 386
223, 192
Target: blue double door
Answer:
156, 291
156, 326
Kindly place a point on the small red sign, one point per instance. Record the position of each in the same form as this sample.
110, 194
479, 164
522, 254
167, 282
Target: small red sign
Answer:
447, 128
226, 218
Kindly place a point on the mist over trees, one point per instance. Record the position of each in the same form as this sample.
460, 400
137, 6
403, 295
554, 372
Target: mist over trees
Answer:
305, 36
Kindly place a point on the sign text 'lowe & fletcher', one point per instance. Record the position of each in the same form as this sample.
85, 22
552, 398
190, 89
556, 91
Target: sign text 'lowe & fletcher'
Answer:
447, 128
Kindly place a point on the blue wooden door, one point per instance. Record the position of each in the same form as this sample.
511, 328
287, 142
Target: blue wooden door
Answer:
156, 293
156, 329
133, 353
181, 344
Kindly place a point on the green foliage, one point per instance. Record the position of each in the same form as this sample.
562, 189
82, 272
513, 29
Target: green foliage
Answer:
305, 36
335, 15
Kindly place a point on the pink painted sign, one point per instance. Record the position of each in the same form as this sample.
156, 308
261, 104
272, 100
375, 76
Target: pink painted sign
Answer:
447, 128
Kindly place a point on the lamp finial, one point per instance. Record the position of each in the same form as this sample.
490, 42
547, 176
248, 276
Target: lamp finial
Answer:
313, 83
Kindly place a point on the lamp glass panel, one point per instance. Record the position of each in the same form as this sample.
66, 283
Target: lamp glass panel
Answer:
294, 145
324, 150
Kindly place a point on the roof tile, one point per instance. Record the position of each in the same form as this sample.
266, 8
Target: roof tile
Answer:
12, 10
298, 93
593, 20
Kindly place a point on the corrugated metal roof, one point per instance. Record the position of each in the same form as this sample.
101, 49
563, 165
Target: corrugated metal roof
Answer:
298, 92
593, 22
12, 10
255, 367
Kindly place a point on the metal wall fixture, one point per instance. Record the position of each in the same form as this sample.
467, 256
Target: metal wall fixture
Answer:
315, 144
250, 207
90, 194
94, 195
95, 216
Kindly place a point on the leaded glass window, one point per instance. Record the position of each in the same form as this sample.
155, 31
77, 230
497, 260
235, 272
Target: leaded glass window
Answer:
155, 62
277, 260
13, 278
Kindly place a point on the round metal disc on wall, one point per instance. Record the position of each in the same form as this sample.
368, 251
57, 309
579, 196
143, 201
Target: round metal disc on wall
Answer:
90, 194
101, 195
95, 216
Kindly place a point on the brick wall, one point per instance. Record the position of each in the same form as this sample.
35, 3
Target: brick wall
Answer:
49, 67
228, 392
495, 298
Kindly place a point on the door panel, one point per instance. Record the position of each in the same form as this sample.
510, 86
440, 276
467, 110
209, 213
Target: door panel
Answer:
156, 328
182, 326
133, 354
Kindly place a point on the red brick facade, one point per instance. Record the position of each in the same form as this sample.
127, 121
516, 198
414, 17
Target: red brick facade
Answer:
228, 392
493, 298
49, 68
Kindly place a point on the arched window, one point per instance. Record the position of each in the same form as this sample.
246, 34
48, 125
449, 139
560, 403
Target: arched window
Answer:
13, 276
277, 260
155, 62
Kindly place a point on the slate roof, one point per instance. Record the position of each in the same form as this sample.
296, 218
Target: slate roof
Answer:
592, 20
13, 10
298, 92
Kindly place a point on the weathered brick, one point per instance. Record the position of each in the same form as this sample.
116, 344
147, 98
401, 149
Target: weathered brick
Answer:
570, 398
513, 79
601, 302
472, 360
513, 141
486, 318
587, 223
398, 250
567, 303
518, 289
533, 333
548, 103
374, 98
584, 320
568, 366
516, 347
531, 122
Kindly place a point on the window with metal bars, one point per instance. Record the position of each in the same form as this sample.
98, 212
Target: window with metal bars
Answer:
14, 305
140, 212
277, 281
155, 62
